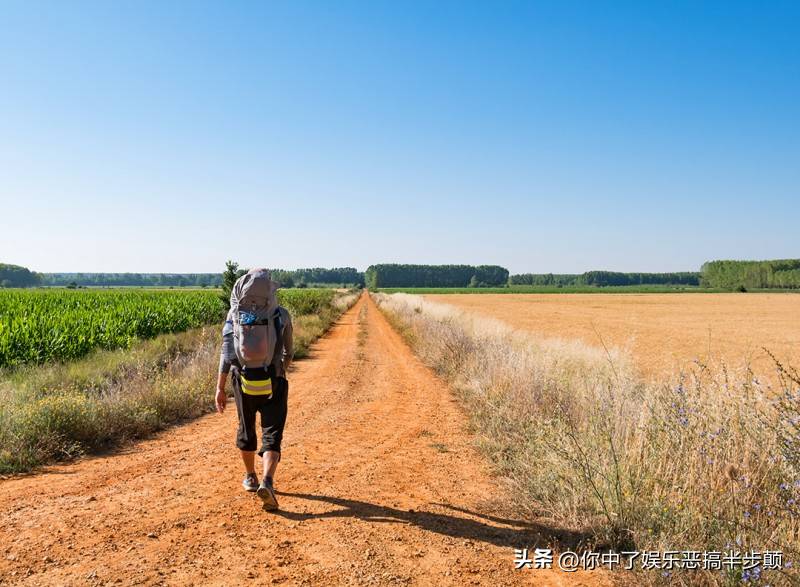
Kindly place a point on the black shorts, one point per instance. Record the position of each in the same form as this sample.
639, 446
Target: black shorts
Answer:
273, 414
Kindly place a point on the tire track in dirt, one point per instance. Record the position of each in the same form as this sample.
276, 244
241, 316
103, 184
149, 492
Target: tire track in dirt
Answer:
379, 485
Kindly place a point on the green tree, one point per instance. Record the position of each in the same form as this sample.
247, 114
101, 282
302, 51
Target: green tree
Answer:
16, 276
229, 277
404, 275
752, 274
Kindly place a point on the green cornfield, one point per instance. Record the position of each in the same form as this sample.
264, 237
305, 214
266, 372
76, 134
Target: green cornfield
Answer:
301, 302
38, 326
58, 325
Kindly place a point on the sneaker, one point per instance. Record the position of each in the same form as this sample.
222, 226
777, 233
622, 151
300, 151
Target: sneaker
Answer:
250, 482
267, 494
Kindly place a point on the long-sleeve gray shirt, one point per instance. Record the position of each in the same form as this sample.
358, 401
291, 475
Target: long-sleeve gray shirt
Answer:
282, 359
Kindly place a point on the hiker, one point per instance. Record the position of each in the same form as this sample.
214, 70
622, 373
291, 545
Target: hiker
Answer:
257, 349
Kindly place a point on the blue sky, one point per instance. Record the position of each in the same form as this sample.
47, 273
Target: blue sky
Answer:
543, 136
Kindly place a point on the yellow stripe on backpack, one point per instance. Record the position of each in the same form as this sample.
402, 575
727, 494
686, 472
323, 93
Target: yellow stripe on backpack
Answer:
257, 387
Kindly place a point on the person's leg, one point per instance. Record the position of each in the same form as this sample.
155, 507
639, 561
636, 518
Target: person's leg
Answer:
249, 460
270, 460
246, 439
273, 420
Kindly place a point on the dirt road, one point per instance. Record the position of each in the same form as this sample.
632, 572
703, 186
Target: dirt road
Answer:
379, 485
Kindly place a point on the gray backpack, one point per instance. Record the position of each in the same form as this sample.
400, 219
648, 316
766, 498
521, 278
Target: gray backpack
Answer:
254, 312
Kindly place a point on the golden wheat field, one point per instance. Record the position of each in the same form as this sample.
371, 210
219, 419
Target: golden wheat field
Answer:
663, 332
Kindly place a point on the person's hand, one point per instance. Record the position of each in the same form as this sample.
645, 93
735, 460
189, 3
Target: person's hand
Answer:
220, 399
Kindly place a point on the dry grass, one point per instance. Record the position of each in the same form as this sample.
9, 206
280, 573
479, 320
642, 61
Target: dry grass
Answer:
709, 461
663, 332
60, 411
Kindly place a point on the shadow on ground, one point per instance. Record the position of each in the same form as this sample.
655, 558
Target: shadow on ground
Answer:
489, 529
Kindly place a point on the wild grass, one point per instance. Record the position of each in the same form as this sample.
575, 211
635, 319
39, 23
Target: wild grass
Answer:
61, 410
708, 461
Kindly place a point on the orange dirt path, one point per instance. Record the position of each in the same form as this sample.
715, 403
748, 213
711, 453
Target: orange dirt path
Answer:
379, 485
663, 331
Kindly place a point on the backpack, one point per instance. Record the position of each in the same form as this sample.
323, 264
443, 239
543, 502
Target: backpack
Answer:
256, 319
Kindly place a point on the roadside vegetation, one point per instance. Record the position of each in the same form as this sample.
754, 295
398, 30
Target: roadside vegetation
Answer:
709, 461
53, 411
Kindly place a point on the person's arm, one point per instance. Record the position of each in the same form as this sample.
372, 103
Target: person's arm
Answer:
226, 358
288, 343
220, 397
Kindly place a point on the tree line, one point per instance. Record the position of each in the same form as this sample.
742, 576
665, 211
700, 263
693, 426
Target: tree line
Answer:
784, 273
16, 276
556, 279
781, 273
131, 279
605, 278
318, 276
400, 275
